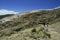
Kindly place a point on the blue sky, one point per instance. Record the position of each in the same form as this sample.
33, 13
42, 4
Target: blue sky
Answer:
25, 5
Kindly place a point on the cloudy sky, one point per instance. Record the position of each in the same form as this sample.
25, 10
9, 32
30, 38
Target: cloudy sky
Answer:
14, 6
3, 12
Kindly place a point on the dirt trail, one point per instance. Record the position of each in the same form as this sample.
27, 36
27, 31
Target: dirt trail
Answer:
54, 34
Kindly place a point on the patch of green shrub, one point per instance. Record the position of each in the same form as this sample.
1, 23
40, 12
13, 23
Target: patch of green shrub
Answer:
47, 34
33, 30
41, 33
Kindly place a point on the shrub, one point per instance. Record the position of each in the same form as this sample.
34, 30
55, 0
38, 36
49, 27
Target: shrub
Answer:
41, 33
33, 30
48, 35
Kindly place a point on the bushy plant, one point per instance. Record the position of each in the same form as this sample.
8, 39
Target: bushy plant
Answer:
41, 33
33, 30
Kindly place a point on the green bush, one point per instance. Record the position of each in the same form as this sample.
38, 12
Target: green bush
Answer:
33, 30
41, 33
47, 34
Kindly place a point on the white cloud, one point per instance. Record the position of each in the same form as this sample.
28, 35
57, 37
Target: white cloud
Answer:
57, 7
3, 12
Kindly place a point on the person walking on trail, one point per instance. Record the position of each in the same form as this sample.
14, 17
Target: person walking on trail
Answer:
45, 21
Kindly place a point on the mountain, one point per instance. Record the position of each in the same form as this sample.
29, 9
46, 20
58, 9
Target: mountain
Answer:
29, 25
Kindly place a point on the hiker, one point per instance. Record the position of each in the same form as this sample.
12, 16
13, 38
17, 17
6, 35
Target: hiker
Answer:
44, 24
47, 24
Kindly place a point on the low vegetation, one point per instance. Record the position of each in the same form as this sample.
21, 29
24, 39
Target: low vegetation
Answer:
29, 20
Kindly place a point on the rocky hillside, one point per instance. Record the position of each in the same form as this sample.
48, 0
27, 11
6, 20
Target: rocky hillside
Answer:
29, 25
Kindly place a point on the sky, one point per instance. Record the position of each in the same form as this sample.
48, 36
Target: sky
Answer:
26, 5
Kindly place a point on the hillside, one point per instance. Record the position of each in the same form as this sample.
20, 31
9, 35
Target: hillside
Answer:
3, 16
28, 25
